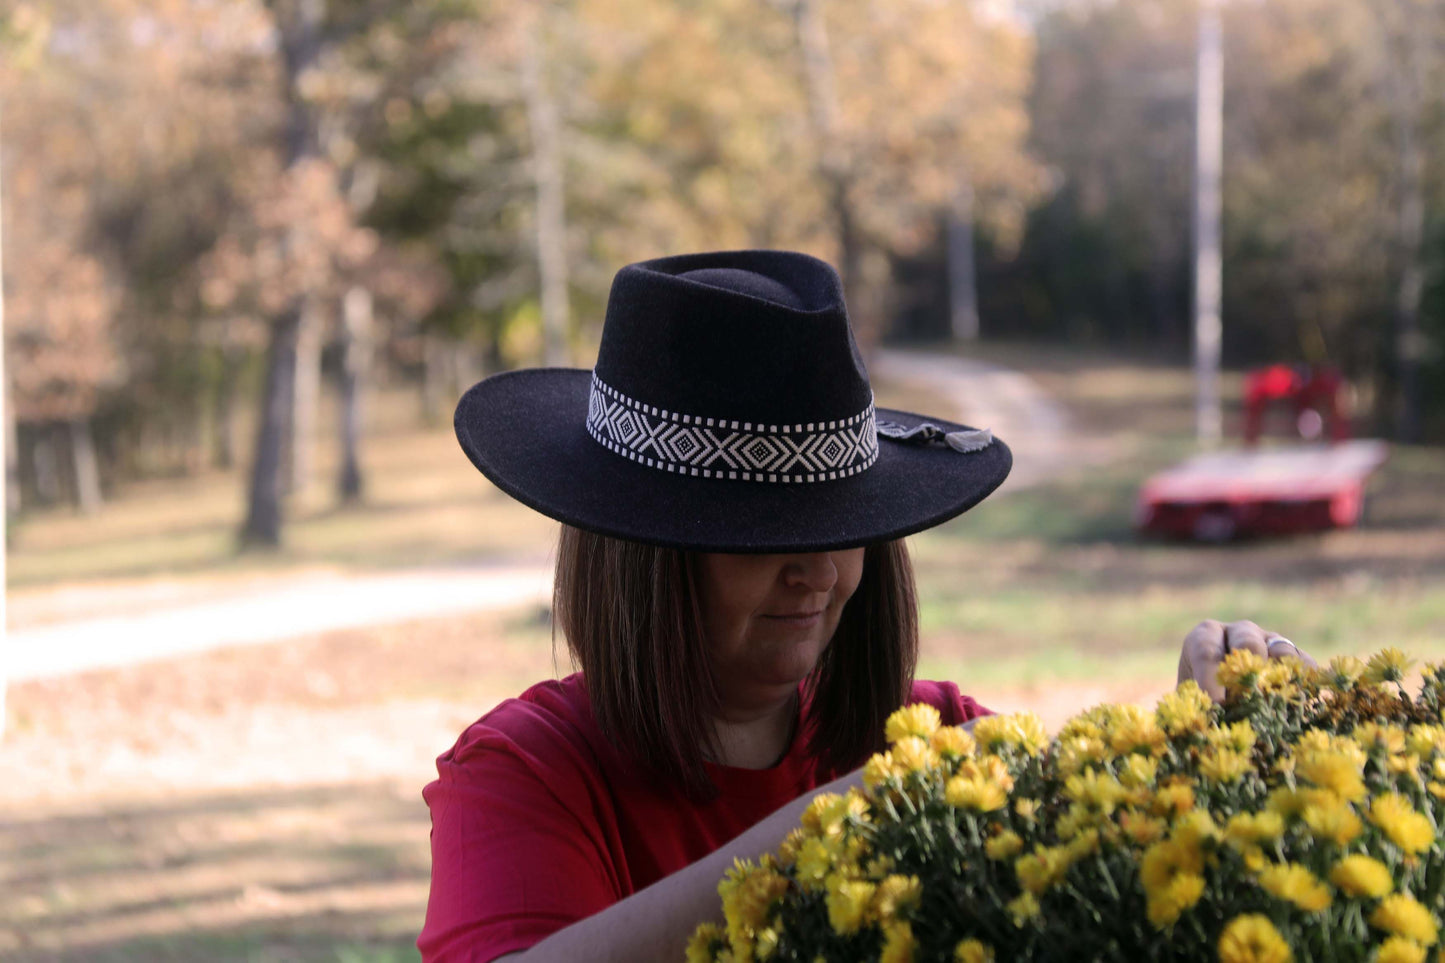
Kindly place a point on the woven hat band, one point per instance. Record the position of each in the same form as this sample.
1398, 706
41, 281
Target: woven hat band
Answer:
724, 448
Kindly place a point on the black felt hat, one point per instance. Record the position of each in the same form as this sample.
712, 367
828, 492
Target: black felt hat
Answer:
729, 411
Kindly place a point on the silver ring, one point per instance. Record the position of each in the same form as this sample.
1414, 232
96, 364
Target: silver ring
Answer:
1269, 646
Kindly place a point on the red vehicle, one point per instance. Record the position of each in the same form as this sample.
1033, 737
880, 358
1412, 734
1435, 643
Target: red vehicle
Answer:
1307, 485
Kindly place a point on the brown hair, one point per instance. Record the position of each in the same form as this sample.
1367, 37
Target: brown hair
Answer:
631, 618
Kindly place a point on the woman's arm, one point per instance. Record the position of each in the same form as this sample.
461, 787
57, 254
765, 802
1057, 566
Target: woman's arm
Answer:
655, 923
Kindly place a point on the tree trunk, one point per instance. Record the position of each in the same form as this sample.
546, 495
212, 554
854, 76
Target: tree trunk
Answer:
355, 336
547, 171
433, 373
307, 397
300, 42
12, 449
962, 277
263, 515
46, 460
1407, 93
223, 452
822, 94
84, 465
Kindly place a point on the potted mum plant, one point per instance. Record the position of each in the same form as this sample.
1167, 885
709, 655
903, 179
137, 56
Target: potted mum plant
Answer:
1296, 821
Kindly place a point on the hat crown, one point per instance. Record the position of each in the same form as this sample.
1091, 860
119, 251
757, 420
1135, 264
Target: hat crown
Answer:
756, 336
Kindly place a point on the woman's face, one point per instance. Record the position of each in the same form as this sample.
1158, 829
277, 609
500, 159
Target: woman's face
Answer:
768, 618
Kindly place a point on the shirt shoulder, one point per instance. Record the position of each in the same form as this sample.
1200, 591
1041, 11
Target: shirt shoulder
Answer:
955, 707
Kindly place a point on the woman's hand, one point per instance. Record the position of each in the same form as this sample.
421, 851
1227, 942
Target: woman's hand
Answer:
1210, 641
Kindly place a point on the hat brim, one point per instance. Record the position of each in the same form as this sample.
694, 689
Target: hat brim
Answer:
526, 431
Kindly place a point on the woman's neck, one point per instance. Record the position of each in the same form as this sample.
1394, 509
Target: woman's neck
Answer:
756, 740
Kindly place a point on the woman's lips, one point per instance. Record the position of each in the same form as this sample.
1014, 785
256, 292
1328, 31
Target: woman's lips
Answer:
801, 620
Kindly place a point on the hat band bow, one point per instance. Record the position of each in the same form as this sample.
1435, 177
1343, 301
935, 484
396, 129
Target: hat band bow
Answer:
726, 448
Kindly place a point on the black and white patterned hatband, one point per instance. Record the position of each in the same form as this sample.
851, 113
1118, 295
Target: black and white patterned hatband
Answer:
725, 448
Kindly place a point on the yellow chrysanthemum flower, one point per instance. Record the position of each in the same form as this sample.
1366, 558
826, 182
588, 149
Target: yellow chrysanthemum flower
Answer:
848, 901
1403, 915
748, 893
1023, 908
880, 769
1360, 875
1239, 736
816, 859
912, 754
898, 943
827, 813
970, 951
1240, 670
1330, 818
1165, 904
1397, 949
766, 943
1387, 665
1143, 829
1426, 740
1027, 809
990, 768
979, 795
953, 742
1137, 733
1296, 884
1022, 729
1099, 791
1223, 766
1184, 710
1252, 938
1042, 869
1171, 873
1246, 828
1005, 845
1171, 800
1138, 772
1086, 843
1195, 827
704, 943
1405, 827
1343, 671
1374, 735
920, 720
1333, 771
894, 895
1080, 752
1279, 676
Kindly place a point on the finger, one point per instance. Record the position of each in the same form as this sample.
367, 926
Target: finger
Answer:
1280, 647
1200, 657
1248, 636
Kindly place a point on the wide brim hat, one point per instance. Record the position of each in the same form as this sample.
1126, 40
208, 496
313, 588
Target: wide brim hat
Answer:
729, 411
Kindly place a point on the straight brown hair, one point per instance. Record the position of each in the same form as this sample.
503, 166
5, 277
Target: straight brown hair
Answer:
633, 625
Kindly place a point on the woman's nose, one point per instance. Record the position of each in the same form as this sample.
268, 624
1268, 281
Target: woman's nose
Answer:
816, 571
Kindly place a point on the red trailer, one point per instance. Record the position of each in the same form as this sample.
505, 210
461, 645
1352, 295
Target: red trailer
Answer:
1274, 490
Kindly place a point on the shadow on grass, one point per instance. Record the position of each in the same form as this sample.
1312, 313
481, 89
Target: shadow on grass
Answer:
335, 873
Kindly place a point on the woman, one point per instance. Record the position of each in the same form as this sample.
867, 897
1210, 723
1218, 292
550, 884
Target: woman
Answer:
732, 583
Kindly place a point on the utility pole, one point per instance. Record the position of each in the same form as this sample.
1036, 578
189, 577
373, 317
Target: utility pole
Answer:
1208, 263
5, 442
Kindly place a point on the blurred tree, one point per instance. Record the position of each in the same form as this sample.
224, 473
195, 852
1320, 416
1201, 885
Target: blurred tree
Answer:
837, 126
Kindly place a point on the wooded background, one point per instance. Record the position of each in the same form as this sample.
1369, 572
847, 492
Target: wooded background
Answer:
218, 208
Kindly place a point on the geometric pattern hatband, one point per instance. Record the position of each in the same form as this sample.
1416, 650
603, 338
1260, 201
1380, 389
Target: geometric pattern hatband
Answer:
724, 448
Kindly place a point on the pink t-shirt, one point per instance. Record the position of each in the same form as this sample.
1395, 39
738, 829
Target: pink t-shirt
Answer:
537, 822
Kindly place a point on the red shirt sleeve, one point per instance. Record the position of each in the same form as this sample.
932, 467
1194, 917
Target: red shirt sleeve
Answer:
955, 707
517, 850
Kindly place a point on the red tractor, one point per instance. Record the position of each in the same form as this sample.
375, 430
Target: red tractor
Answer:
1315, 482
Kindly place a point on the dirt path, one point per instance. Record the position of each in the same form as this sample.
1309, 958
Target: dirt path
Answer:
54, 632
